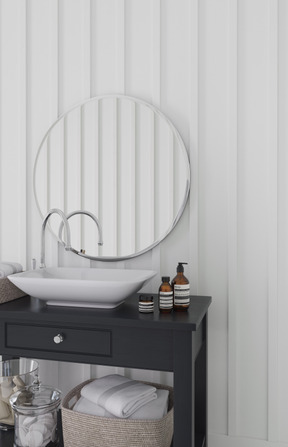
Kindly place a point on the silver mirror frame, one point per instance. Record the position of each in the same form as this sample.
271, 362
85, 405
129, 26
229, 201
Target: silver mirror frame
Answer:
187, 189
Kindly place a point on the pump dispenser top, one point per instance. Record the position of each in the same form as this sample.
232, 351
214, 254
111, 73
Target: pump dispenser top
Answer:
181, 288
180, 267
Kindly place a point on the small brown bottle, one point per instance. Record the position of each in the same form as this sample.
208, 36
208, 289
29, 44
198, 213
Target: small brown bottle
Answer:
181, 289
165, 296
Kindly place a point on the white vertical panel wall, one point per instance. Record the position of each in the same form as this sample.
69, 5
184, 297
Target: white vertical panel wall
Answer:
219, 71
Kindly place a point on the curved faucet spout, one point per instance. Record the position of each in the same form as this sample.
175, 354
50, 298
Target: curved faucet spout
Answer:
67, 230
87, 213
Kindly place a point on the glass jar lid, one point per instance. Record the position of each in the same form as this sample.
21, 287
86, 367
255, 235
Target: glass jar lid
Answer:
35, 397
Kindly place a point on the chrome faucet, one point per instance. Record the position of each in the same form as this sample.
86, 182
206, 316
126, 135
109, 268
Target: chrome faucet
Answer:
93, 217
67, 230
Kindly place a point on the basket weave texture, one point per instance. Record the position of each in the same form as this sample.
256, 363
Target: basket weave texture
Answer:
84, 430
9, 292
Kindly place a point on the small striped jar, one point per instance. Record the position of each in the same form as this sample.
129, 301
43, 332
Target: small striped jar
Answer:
146, 304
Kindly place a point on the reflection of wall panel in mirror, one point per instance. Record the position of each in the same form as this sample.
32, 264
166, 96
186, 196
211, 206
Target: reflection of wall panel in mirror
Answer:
72, 172
127, 177
108, 213
164, 180
121, 159
144, 174
90, 170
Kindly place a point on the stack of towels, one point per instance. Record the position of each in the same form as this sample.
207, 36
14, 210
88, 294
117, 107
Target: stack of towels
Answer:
9, 268
116, 396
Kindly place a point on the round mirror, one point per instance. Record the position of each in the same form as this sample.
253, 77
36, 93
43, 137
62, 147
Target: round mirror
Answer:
120, 160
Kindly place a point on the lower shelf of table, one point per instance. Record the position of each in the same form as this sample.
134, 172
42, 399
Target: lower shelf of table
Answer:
7, 439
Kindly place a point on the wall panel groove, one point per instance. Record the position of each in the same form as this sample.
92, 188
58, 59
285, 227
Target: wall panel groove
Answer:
194, 145
232, 189
282, 219
120, 38
13, 130
253, 226
272, 90
156, 101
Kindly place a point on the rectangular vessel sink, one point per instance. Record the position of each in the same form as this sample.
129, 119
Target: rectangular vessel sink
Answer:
82, 287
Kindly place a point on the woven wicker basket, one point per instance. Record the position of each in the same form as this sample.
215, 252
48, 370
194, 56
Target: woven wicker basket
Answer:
84, 430
9, 292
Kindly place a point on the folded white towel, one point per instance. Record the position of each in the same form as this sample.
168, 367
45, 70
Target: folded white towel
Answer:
118, 394
155, 409
8, 268
85, 406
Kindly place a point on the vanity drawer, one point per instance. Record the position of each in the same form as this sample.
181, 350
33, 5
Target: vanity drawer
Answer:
46, 338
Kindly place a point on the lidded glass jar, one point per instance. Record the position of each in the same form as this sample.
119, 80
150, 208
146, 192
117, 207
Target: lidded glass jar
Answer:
15, 374
35, 409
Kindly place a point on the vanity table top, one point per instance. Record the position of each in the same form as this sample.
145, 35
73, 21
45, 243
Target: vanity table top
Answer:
127, 314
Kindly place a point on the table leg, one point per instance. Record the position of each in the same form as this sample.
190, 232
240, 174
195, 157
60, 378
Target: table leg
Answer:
184, 390
190, 388
201, 392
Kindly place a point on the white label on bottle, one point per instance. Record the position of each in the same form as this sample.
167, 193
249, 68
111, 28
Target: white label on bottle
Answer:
181, 294
146, 306
166, 300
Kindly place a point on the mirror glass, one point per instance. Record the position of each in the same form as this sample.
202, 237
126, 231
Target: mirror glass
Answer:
121, 159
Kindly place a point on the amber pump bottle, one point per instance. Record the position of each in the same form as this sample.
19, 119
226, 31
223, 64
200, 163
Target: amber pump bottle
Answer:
181, 289
165, 296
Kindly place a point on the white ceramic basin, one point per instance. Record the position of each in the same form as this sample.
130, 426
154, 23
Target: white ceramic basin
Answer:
82, 287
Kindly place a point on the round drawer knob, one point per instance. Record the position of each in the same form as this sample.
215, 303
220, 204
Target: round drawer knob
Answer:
58, 338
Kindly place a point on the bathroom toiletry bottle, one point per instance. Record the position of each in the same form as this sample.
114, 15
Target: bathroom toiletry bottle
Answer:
181, 289
165, 296
146, 304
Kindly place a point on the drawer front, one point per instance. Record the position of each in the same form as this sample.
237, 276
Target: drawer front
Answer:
46, 338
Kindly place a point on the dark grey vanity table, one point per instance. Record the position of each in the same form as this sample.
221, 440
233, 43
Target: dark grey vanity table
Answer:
120, 337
